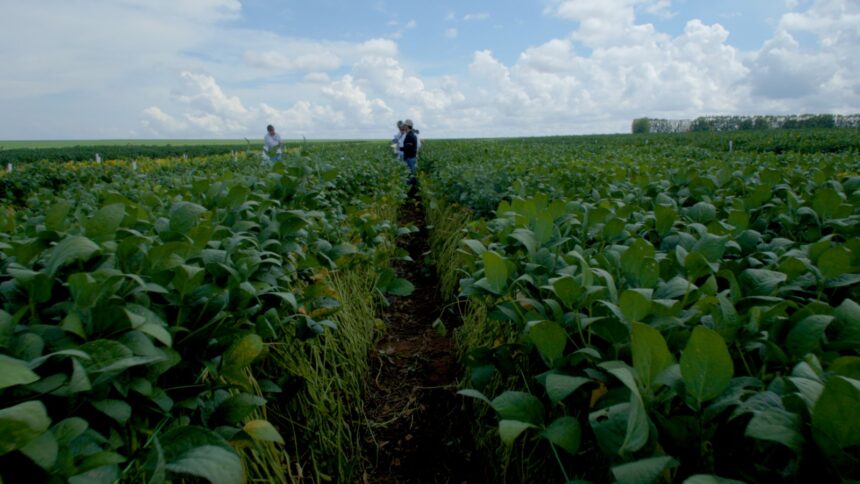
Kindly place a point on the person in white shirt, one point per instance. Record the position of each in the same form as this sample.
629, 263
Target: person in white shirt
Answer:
272, 140
398, 140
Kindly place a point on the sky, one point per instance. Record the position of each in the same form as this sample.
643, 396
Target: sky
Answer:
339, 69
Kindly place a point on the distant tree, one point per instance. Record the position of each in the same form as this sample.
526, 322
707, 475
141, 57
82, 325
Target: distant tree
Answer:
641, 126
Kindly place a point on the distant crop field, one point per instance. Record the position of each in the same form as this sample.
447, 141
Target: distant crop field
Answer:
14, 144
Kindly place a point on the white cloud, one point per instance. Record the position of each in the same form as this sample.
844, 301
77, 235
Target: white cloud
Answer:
451, 33
162, 120
476, 16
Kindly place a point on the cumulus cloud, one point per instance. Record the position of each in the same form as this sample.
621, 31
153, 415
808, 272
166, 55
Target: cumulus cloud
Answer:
451, 33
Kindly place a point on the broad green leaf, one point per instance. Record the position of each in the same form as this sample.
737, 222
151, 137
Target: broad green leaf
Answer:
15, 372
263, 430
761, 282
835, 261
42, 450
70, 249
22, 423
665, 217
635, 304
836, 416
706, 365
711, 246
400, 287
243, 351
202, 453
806, 335
56, 217
236, 408
527, 238
184, 216
638, 427
519, 406
471, 392
847, 366
495, 270
475, 246
633, 257
702, 212
550, 339
643, 471
778, 426
559, 387
567, 289
650, 354
826, 202
564, 432
115, 409
105, 222
509, 430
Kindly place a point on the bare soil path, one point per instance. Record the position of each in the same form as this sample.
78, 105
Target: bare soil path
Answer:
415, 429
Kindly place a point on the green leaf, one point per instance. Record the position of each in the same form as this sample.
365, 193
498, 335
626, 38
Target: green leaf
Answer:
21, 424
42, 450
835, 261
184, 216
776, 425
635, 304
650, 354
638, 427
15, 372
706, 365
632, 258
806, 335
761, 282
202, 453
509, 430
471, 392
400, 287
711, 246
826, 202
643, 471
527, 238
70, 249
549, 338
56, 217
665, 217
263, 430
519, 406
702, 212
564, 432
836, 416
474, 245
495, 270
236, 408
115, 409
105, 222
709, 479
559, 387
567, 289
243, 351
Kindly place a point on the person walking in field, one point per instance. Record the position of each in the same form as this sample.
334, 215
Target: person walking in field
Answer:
410, 149
397, 141
272, 140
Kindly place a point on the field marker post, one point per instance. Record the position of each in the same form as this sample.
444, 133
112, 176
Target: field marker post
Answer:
98, 158
731, 145
134, 165
185, 156
8, 167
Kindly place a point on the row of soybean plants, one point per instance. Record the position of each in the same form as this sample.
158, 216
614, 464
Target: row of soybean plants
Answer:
178, 318
647, 313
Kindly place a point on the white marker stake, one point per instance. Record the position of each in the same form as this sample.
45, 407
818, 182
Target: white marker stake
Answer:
185, 156
134, 165
98, 158
8, 167
730, 145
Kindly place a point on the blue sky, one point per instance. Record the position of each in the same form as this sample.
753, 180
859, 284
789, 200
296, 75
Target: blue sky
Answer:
96, 69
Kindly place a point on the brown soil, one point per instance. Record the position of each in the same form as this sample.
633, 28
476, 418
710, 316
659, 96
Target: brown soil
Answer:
415, 429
